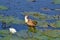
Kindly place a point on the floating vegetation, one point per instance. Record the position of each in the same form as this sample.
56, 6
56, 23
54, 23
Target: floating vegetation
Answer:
40, 35
53, 24
36, 15
4, 32
42, 24
11, 19
42, 18
3, 8
39, 16
45, 9
31, 0
52, 33
56, 1
58, 23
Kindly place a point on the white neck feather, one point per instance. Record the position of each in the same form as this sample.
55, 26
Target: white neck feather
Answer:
26, 19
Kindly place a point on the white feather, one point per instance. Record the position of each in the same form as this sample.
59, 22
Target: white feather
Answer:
12, 30
26, 19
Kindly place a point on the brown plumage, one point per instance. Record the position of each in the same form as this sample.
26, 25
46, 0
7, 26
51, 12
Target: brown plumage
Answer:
31, 24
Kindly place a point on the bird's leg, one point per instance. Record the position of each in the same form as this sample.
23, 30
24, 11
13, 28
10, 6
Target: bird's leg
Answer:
33, 29
28, 33
33, 32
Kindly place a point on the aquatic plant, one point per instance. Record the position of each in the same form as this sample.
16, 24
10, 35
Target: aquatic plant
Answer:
11, 19
46, 9
42, 24
56, 1
3, 7
2, 32
40, 35
31, 0
6, 21
52, 33
58, 23
55, 24
42, 18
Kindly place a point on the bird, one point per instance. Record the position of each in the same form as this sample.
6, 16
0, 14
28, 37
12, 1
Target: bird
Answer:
31, 23
12, 30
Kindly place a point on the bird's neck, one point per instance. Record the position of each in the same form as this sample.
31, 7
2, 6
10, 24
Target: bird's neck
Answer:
26, 19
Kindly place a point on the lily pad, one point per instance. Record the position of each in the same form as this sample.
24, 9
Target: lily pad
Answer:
41, 16
25, 35
58, 23
11, 19
52, 33
3, 8
56, 1
42, 24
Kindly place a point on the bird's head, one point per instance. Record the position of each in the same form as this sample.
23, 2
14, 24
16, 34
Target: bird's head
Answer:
26, 18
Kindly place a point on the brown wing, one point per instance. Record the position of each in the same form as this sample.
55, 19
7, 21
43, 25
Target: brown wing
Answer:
31, 22
34, 22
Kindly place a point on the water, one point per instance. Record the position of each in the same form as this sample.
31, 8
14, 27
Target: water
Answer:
16, 8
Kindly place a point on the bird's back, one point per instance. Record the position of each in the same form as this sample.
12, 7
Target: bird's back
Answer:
31, 22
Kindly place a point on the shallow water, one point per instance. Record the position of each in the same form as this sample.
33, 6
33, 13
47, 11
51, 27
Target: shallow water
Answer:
45, 12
